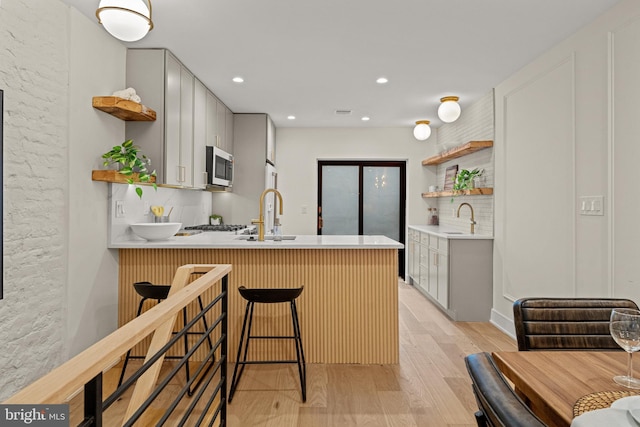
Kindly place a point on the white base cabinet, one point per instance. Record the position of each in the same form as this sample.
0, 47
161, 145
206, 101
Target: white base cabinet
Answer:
455, 274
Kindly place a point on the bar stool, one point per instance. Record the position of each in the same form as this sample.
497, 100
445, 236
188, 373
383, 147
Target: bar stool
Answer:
148, 290
270, 296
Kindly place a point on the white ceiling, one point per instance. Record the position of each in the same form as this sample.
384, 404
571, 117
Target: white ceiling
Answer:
310, 58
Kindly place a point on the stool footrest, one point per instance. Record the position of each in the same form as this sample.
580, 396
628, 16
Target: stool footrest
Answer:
261, 362
273, 337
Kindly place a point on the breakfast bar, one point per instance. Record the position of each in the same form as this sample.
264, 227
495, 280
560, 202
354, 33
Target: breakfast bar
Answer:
348, 309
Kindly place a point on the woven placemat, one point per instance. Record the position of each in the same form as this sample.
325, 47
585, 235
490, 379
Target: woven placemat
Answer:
599, 400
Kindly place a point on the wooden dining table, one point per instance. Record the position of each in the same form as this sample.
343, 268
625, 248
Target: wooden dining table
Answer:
551, 382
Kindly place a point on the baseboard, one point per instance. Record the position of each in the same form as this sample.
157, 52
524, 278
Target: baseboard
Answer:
503, 323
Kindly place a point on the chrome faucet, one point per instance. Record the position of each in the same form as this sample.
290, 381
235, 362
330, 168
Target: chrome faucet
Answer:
260, 220
473, 222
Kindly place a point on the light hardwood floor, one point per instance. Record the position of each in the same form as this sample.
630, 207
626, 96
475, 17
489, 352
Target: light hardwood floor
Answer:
430, 386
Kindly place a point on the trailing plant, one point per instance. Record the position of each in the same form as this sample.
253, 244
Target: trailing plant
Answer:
464, 180
130, 160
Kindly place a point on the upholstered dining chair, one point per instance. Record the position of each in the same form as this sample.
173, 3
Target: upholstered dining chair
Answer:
498, 405
566, 323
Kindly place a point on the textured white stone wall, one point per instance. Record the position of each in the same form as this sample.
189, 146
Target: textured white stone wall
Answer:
34, 75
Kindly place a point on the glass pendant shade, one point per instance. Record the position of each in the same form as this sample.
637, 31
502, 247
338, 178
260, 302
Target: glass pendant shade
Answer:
126, 20
422, 130
449, 109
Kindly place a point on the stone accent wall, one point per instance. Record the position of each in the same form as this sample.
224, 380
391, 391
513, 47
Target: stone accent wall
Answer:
34, 77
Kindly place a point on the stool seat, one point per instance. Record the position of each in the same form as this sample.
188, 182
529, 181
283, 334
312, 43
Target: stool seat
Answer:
270, 296
150, 291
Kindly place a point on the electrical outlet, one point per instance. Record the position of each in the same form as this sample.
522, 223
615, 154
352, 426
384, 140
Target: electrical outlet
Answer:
120, 213
591, 205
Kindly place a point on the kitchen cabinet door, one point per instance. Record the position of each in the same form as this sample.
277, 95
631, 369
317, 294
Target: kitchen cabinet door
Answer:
221, 123
212, 120
172, 120
228, 131
199, 134
184, 173
442, 278
271, 142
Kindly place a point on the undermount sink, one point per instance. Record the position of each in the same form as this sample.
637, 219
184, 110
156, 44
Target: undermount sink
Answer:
254, 238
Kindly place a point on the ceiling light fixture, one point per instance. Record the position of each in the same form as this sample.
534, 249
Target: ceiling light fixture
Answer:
238, 79
365, 119
382, 80
449, 109
422, 130
291, 117
126, 20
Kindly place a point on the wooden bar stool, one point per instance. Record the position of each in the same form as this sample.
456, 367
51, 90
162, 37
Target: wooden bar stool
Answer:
148, 290
269, 296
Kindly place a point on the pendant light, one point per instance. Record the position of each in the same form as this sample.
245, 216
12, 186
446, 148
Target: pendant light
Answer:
126, 20
449, 109
422, 130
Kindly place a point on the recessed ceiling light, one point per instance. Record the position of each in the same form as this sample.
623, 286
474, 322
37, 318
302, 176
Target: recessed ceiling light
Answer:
291, 117
238, 79
382, 80
366, 119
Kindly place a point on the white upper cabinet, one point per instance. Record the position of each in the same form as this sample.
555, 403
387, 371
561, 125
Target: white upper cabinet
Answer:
189, 117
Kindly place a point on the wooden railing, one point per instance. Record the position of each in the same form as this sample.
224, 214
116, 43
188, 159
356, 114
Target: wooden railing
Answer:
85, 370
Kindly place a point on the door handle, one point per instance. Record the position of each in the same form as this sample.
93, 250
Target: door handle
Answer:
320, 222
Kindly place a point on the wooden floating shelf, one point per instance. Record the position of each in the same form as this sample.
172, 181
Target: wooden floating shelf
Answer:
124, 109
485, 191
462, 150
110, 175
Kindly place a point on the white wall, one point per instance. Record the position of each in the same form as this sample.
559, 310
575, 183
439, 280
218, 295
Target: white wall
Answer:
299, 150
60, 281
566, 124
96, 67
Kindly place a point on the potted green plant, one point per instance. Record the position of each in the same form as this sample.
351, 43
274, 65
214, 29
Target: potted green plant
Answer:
464, 180
132, 164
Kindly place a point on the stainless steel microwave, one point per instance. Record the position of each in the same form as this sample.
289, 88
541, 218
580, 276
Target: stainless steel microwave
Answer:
219, 167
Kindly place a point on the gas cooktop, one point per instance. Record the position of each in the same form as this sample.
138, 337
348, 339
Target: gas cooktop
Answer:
219, 227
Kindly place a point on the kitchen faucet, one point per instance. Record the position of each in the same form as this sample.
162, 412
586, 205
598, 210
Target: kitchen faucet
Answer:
473, 222
260, 220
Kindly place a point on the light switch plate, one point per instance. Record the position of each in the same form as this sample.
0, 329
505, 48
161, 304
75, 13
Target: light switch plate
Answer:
591, 205
120, 213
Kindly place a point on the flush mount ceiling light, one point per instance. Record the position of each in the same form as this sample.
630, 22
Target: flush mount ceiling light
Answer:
449, 110
422, 130
365, 118
126, 20
382, 80
238, 79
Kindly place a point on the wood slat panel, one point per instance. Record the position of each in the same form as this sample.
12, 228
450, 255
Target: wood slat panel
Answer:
348, 310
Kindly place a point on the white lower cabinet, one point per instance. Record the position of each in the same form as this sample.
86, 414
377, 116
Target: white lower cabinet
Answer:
455, 274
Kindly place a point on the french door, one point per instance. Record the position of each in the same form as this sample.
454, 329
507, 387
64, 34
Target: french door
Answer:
363, 198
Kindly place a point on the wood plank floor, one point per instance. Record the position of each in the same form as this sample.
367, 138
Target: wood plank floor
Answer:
429, 387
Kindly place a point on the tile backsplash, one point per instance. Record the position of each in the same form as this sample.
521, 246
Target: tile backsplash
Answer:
190, 207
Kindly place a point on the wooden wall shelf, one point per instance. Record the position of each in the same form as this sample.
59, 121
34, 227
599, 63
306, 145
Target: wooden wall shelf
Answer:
124, 109
110, 175
462, 150
485, 191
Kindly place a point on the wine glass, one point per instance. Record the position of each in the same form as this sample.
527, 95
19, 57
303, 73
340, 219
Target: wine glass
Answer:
625, 330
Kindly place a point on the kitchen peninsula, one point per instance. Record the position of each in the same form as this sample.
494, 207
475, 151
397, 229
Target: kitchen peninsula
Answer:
348, 309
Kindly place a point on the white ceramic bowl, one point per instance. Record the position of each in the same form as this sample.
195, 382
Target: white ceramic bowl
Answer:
156, 231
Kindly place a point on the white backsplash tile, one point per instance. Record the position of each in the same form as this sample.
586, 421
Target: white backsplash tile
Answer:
190, 207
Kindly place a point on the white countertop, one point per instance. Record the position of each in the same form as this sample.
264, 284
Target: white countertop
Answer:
213, 240
448, 233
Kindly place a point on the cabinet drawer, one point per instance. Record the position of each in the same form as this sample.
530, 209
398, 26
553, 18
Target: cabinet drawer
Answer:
414, 235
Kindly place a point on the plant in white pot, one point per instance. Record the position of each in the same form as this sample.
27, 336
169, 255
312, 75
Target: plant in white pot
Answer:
132, 163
